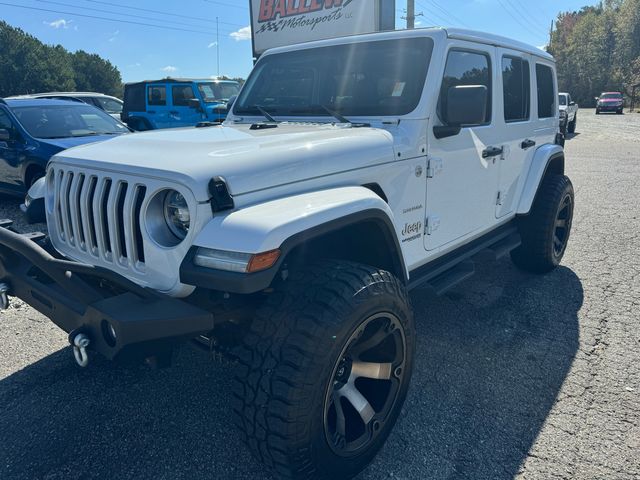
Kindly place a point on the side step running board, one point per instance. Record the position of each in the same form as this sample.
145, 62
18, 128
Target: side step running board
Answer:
452, 277
446, 272
504, 247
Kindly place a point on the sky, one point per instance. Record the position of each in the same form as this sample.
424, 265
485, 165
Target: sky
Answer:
148, 39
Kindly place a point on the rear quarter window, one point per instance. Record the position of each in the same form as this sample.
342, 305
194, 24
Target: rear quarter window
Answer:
134, 98
546, 92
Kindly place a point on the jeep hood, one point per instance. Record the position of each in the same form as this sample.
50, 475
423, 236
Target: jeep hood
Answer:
249, 160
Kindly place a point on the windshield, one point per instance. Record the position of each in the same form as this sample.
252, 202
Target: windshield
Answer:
63, 121
611, 96
215, 92
563, 99
109, 105
360, 79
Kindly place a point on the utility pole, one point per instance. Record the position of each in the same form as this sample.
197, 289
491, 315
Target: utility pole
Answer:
411, 14
218, 45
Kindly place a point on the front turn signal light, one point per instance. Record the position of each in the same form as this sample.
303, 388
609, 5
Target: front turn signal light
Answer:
263, 261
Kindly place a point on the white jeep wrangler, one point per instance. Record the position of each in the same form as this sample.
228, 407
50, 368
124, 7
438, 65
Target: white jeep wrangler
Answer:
348, 173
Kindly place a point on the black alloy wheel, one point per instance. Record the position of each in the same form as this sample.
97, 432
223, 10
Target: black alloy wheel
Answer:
365, 384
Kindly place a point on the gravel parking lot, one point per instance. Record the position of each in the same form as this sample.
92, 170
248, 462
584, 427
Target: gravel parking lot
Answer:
517, 376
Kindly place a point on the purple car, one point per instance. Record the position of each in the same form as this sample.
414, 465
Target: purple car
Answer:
610, 102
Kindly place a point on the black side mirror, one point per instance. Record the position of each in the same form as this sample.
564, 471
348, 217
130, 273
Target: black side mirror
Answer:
466, 105
231, 101
572, 104
195, 104
5, 135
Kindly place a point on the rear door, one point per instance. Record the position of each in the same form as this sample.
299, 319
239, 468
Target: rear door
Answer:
157, 106
517, 126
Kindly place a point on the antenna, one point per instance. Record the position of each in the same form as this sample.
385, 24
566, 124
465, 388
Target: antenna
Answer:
218, 45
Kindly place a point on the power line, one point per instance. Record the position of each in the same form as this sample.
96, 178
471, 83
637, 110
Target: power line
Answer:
517, 19
226, 4
449, 14
95, 17
529, 14
128, 15
111, 4
436, 15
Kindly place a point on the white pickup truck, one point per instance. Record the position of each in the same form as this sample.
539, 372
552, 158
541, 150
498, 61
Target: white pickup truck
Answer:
568, 113
348, 173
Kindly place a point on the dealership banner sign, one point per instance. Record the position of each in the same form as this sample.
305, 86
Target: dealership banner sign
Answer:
276, 23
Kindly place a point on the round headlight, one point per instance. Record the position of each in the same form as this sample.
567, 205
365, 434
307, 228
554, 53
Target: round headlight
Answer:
176, 214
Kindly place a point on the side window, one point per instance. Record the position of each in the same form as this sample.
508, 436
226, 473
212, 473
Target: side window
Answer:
181, 94
516, 82
157, 95
546, 94
466, 68
5, 121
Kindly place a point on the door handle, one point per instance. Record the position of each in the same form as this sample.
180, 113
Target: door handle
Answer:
527, 144
492, 152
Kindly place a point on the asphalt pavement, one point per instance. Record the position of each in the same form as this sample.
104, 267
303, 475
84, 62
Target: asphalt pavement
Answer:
517, 376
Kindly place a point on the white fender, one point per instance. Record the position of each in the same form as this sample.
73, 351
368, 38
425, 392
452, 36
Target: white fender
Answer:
264, 227
538, 167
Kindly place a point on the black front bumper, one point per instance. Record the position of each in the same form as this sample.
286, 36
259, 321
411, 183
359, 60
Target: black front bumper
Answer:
610, 108
85, 299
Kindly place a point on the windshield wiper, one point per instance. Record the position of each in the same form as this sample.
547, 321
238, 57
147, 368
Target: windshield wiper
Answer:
265, 114
336, 115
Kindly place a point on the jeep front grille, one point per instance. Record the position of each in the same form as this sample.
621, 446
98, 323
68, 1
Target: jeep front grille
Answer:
99, 215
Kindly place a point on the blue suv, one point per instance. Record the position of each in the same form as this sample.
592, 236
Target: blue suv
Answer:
33, 130
172, 103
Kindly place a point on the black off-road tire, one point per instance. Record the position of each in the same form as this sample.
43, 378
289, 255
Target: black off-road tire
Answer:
572, 125
545, 231
288, 365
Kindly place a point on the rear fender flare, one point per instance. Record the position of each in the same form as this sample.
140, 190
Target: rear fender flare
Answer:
545, 157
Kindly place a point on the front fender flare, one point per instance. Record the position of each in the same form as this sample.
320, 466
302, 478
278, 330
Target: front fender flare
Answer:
285, 224
543, 157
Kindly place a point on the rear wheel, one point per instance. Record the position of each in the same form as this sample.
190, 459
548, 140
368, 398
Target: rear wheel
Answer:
324, 371
545, 231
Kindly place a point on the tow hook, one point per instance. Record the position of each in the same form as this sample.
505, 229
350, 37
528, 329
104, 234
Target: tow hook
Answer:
80, 342
4, 296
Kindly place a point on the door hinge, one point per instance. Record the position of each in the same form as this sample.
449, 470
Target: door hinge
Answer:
499, 198
434, 167
431, 224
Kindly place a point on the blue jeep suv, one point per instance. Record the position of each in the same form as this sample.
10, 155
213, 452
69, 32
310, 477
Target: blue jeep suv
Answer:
173, 103
33, 130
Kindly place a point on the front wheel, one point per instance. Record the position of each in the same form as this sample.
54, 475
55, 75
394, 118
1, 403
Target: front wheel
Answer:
545, 231
324, 371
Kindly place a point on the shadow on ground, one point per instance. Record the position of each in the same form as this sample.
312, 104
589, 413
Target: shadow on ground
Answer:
493, 354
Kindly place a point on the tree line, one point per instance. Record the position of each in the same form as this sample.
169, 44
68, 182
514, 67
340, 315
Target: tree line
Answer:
29, 66
597, 49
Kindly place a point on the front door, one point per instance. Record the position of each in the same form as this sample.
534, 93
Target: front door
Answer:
181, 113
516, 123
10, 154
462, 181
